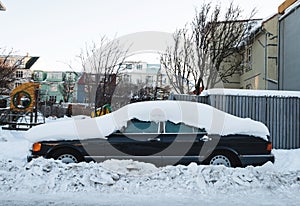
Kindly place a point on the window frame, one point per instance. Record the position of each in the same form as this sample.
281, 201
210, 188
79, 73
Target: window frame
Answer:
19, 74
249, 59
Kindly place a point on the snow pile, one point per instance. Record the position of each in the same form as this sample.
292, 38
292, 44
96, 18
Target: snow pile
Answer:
191, 113
47, 176
115, 182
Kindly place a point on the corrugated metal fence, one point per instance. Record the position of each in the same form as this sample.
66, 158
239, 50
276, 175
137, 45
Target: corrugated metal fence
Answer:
280, 114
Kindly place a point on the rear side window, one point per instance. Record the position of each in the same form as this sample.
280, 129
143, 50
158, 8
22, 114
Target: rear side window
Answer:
181, 128
136, 126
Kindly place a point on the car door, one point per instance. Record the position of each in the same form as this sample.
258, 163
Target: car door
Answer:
184, 144
140, 141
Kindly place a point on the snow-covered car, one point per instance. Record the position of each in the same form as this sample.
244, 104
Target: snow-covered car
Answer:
160, 132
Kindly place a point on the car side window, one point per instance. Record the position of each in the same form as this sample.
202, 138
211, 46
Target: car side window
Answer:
181, 128
137, 126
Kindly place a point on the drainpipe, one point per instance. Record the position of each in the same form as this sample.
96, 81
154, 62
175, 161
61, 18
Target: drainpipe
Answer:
279, 56
266, 57
265, 46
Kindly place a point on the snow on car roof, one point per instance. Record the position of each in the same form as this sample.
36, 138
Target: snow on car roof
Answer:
193, 114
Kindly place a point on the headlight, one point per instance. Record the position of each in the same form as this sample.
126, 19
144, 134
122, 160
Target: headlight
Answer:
36, 147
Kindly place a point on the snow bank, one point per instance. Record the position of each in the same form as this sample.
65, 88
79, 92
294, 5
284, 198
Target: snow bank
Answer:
48, 176
115, 182
191, 113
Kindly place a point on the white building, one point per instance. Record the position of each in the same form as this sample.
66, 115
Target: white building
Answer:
144, 74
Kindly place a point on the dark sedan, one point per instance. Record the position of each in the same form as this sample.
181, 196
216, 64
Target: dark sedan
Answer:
162, 142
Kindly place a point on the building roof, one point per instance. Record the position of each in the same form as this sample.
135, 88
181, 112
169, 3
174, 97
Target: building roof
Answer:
30, 62
290, 9
286, 4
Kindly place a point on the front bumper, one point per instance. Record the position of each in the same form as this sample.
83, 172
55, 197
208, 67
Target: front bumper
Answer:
256, 160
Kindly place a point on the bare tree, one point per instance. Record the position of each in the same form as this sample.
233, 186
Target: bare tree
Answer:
9, 63
101, 65
67, 87
177, 61
211, 54
217, 40
69, 79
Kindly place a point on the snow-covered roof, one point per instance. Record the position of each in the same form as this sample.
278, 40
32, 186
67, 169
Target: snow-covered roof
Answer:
248, 92
190, 113
254, 26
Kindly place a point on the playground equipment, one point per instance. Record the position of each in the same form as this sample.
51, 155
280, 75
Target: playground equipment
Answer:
22, 114
105, 109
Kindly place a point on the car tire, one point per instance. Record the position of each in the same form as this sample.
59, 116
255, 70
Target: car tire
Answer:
227, 159
67, 156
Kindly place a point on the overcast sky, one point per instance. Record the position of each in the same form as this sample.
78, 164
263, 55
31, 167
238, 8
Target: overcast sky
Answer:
56, 30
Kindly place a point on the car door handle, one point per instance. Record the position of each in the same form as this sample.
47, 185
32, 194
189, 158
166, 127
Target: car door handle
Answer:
153, 139
205, 138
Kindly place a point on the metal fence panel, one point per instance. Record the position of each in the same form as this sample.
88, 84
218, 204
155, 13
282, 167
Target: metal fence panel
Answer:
280, 114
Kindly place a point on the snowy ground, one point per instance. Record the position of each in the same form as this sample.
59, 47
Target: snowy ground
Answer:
49, 182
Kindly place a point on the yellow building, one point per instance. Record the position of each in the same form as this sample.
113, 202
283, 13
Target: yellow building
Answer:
261, 56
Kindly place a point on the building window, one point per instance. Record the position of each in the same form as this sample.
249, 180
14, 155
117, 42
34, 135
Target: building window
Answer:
55, 76
249, 58
52, 99
128, 66
19, 74
139, 67
17, 84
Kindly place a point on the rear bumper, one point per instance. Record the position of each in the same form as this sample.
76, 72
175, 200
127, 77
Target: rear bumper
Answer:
256, 160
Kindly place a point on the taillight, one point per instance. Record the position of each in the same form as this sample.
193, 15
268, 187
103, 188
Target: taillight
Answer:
36, 147
269, 147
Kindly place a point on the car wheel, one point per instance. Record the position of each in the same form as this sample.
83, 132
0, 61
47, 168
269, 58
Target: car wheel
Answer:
67, 156
223, 158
